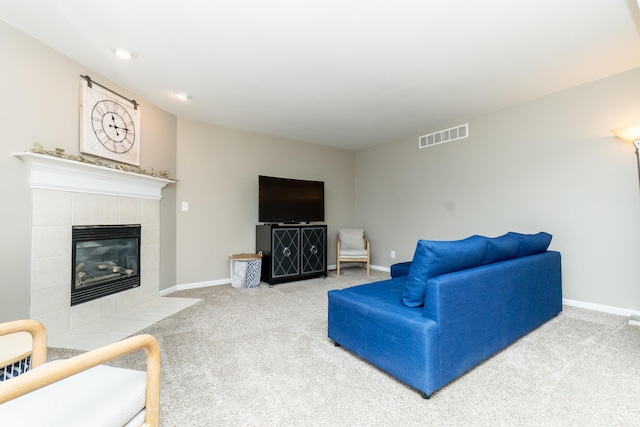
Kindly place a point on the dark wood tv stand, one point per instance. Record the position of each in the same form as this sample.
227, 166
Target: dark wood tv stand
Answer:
292, 251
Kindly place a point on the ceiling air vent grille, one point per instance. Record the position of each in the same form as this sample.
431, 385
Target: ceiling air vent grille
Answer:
443, 136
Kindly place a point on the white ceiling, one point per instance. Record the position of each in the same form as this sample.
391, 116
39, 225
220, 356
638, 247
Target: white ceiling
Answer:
344, 73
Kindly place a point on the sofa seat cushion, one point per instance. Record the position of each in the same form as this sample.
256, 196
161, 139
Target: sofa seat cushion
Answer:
433, 258
100, 396
382, 295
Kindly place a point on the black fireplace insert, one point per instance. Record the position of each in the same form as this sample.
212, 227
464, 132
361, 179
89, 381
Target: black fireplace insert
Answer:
105, 260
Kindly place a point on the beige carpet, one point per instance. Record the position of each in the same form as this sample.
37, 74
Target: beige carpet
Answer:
249, 357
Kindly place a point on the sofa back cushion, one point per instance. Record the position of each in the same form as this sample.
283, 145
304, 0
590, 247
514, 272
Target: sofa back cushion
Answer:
501, 248
531, 244
433, 258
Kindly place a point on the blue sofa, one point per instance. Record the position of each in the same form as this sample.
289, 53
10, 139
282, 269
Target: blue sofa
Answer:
459, 303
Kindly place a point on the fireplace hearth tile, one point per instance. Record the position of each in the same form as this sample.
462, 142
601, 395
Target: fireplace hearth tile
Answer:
84, 340
115, 325
120, 325
130, 315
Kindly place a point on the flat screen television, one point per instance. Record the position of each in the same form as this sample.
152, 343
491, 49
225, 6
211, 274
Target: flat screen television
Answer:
285, 200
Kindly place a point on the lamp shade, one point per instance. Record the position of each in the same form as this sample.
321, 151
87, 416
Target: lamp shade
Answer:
631, 133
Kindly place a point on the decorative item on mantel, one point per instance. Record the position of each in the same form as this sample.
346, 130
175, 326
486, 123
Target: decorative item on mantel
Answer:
109, 123
60, 153
55, 172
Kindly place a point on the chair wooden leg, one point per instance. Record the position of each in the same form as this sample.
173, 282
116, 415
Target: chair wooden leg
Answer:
338, 272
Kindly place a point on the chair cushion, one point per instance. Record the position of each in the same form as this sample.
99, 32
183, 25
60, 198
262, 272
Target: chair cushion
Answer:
351, 238
100, 396
433, 258
353, 253
531, 244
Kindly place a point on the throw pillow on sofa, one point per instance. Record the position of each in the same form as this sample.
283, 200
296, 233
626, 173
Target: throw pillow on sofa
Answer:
433, 258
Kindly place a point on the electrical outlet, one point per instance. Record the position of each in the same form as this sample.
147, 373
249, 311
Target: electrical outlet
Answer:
185, 206
393, 254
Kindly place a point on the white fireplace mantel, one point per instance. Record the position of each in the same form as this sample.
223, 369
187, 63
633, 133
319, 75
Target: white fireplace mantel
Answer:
55, 173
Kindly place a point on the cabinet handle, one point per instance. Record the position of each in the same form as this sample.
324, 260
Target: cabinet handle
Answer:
313, 249
286, 252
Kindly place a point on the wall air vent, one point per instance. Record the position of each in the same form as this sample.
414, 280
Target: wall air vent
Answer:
443, 136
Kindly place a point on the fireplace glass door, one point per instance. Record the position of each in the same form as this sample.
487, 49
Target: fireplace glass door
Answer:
105, 260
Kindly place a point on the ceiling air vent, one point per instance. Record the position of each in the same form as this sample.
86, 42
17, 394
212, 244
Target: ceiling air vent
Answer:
443, 136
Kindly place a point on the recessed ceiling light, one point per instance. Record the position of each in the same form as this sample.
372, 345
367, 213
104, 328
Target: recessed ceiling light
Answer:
124, 53
182, 95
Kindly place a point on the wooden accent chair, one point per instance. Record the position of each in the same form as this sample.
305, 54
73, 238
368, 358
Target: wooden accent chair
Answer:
80, 390
353, 246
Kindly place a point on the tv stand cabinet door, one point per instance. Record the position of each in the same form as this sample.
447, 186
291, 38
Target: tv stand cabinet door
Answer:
285, 257
314, 250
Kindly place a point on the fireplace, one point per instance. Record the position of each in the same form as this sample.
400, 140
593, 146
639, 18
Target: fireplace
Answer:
105, 259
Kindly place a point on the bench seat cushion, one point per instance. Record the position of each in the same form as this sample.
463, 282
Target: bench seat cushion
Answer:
100, 396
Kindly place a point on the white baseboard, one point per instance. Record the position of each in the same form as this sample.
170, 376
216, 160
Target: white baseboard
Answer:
195, 285
349, 264
165, 292
599, 307
570, 302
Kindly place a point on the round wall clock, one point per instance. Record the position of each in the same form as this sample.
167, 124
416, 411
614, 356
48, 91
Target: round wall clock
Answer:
113, 126
110, 125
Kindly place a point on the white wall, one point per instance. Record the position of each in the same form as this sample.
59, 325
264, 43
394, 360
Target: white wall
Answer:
40, 103
218, 168
550, 164
547, 165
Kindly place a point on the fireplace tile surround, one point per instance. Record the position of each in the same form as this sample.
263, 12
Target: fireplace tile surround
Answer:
54, 212
96, 200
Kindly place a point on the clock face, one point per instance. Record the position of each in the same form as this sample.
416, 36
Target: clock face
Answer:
113, 126
109, 125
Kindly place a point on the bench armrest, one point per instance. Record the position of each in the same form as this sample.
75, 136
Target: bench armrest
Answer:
51, 373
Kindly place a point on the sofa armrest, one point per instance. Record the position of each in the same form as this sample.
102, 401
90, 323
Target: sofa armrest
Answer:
371, 321
482, 310
400, 269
